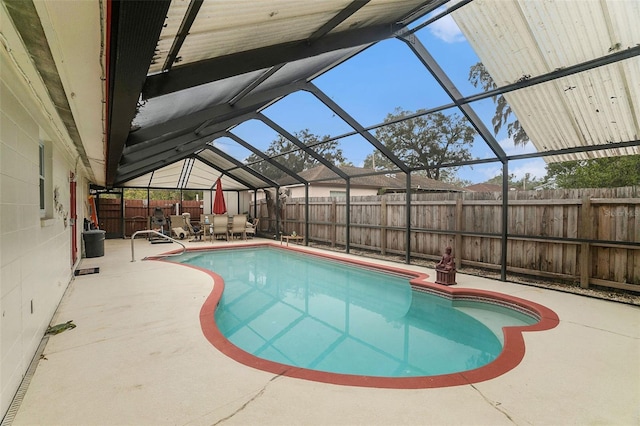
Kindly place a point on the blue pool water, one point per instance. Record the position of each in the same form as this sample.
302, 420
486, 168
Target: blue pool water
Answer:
309, 312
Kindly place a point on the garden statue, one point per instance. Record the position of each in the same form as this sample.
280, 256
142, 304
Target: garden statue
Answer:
446, 269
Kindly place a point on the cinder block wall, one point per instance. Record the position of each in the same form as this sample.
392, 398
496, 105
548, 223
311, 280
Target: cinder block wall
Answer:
35, 253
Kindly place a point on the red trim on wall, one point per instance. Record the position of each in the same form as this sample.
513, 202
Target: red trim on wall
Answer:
511, 355
73, 217
107, 65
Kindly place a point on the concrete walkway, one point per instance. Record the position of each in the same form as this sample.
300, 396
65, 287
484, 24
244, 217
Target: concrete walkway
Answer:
138, 357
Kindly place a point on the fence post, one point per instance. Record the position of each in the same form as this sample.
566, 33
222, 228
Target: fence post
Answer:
585, 247
383, 226
334, 229
459, 225
297, 219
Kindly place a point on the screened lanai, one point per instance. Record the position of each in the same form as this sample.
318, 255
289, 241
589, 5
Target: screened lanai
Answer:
202, 72
202, 89
199, 90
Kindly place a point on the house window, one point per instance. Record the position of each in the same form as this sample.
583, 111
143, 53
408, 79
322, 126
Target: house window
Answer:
45, 179
42, 169
338, 194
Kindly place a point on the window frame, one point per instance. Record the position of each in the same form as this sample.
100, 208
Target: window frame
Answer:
42, 169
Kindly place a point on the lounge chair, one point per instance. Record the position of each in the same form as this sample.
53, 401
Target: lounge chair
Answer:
252, 228
193, 230
220, 227
177, 226
239, 226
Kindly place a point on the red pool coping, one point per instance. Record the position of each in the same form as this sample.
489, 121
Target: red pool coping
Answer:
511, 355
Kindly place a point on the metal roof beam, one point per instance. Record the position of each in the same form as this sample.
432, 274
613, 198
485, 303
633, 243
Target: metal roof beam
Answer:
161, 159
255, 83
445, 82
135, 29
321, 159
352, 8
265, 157
558, 73
123, 177
576, 149
185, 142
421, 10
167, 139
191, 75
239, 165
185, 173
225, 172
196, 119
183, 32
356, 126
438, 16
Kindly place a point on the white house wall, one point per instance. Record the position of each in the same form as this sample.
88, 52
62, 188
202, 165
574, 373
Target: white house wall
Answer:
232, 201
325, 191
35, 254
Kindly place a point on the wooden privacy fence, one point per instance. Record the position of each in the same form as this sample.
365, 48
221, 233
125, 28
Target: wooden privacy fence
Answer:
137, 212
586, 235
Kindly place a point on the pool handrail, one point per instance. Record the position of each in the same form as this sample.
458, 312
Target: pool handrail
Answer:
151, 231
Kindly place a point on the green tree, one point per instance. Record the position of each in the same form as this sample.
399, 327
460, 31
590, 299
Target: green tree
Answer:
607, 172
478, 76
161, 194
293, 158
457, 181
525, 183
425, 143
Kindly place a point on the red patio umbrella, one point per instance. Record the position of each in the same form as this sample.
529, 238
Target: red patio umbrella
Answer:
219, 206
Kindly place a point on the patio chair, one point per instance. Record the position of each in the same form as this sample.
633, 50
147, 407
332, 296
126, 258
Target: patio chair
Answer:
220, 227
251, 228
239, 226
177, 226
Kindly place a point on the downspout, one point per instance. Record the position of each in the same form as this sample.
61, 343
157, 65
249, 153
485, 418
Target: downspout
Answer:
306, 212
277, 211
348, 218
505, 218
407, 255
123, 222
255, 204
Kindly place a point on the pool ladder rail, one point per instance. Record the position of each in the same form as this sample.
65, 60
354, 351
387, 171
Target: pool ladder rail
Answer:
151, 231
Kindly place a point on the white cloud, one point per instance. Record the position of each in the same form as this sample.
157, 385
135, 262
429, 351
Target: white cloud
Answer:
511, 149
536, 167
447, 30
489, 171
483, 172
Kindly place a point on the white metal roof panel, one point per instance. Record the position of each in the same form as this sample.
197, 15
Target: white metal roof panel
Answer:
518, 39
378, 12
198, 176
215, 158
224, 28
175, 15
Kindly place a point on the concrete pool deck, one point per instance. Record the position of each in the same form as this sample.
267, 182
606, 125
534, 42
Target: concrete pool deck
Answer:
138, 356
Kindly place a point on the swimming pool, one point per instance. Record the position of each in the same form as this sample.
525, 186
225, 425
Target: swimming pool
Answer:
308, 316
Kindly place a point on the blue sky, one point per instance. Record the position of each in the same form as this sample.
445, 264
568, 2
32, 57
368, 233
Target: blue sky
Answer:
377, 81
